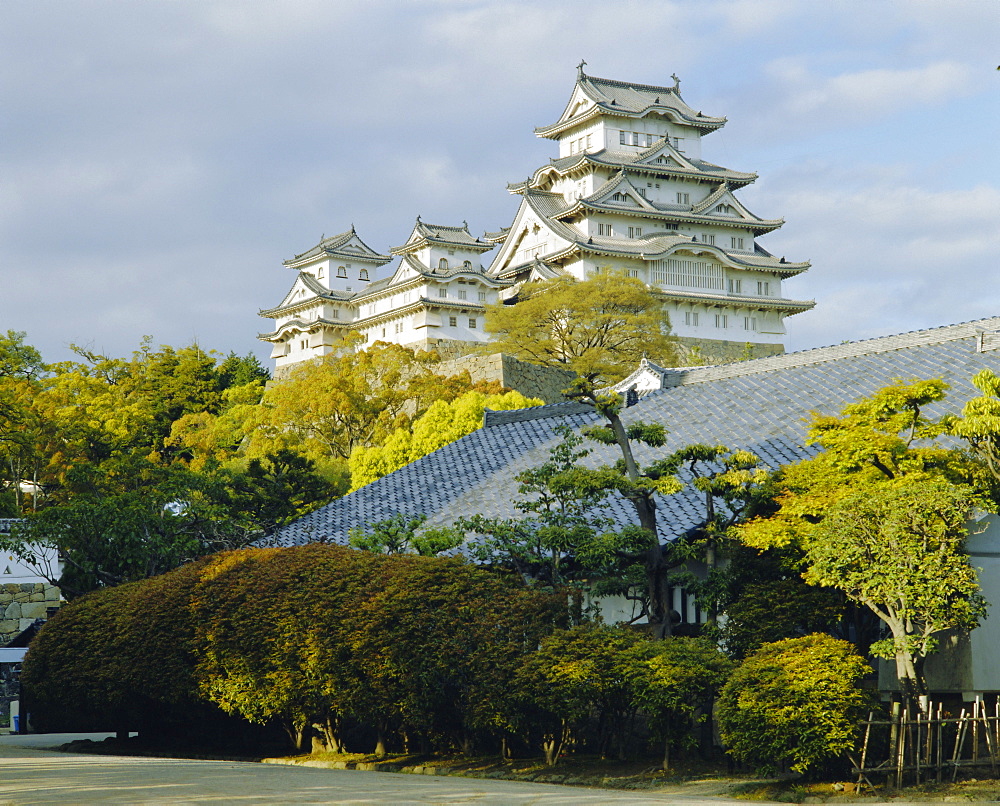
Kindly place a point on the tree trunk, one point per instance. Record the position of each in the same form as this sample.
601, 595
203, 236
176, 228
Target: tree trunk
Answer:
380, 751
912, 684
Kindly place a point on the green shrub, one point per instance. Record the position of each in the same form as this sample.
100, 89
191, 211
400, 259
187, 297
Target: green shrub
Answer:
794, 703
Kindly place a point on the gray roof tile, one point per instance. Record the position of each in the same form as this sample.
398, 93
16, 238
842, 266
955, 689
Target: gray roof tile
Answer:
761, 406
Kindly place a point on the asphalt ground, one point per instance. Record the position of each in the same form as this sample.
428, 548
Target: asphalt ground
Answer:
32, 772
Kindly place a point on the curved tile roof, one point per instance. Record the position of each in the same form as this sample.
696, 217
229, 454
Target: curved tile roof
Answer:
762, 406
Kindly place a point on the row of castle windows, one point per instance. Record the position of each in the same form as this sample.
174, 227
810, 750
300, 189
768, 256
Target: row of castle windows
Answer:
735, 242
627, 138
693, 319
443, 264
342, 272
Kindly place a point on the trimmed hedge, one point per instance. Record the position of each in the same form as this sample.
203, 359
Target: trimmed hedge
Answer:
316, 635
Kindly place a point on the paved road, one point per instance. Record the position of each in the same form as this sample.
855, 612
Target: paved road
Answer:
32, 774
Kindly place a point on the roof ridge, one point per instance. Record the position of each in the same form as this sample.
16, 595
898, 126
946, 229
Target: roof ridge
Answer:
493, 418
833, 352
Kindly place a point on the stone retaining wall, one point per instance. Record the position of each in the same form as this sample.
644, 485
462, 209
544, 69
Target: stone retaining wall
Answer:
21, 604
717, 351
531, 380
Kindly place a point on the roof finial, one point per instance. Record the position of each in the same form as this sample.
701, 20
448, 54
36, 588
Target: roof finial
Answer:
579, 68
677, 83
352, 228
465, 225
418, 218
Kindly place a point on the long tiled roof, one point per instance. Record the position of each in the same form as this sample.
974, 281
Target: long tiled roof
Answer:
762, 406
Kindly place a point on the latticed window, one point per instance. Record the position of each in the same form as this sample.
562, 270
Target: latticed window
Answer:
689, 273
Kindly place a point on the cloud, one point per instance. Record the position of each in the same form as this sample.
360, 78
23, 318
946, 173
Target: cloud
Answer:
852, 98
888, 258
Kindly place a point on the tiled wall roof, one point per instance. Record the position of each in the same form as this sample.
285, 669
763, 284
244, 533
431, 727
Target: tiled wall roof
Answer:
762, 406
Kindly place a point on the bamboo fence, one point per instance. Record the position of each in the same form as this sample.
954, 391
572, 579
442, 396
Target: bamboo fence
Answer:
912, 746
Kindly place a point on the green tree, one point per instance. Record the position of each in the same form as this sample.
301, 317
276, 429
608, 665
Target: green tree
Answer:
881, 514
561, 540
576, 673
678, 677
402, 535
794, 703
898, 549
599, 328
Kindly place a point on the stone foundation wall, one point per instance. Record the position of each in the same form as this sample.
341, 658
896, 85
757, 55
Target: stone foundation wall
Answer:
531, 380
21, 604
717, 351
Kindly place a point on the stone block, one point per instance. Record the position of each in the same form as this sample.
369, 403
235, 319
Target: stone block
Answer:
23, 596
52, 593
37, 597
13, 610
38, 588
8, 626
24, 623
33, 610
6, 598
27, 587
11, 587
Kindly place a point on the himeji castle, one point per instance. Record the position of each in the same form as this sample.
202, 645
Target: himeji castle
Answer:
628, 191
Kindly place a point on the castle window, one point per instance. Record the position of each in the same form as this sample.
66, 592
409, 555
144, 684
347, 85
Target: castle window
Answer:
683, 198
623, 138
461, 293
634, 232
442, 292
690, 273
453, 321
482, 296
750, 323
708, 238
466, 264
721, 320
443, 263
691, 318
735, 286
588, 140
604, 229
335, 313
737, 243
341, 271
363, 274
472, 324
321, 273
633, 273
399, 327
764, 288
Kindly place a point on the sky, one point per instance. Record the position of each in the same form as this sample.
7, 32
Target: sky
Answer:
160, 159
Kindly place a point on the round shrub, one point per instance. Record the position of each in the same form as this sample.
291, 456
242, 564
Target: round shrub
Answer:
794, 703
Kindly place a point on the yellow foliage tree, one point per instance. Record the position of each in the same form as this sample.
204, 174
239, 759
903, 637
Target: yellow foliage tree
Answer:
443, 423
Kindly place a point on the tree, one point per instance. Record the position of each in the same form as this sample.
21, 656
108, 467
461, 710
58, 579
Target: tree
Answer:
881, 514
399, 535
599, 328
898, 549
794, 703
679, 676
442, 423
589, 669
561, 541
979, 426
